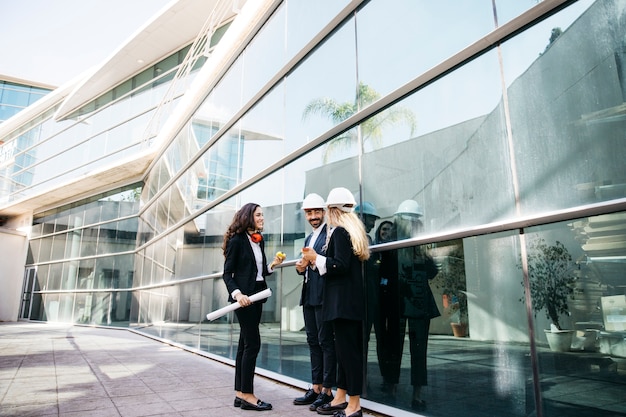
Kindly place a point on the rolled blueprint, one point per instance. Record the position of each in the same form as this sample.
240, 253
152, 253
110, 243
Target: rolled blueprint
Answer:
234, 306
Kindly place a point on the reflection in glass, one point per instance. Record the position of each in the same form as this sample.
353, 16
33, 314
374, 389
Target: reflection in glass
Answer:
566, 95
328, 74
413, 36
460, 132
576, 281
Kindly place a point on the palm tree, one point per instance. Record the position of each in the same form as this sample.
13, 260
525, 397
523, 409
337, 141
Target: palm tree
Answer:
371, 129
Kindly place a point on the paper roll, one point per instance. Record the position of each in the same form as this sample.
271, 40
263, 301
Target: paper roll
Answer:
261, 295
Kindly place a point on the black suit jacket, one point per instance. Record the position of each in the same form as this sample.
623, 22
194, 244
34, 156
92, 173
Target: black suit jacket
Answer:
240, 269
343, 281
313, 288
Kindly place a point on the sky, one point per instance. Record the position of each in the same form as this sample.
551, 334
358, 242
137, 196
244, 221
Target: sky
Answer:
53, 41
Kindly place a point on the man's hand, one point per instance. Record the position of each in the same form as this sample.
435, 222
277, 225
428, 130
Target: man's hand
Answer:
301, 265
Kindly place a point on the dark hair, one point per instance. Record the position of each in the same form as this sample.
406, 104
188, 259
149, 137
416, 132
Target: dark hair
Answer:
379, 228
242, 221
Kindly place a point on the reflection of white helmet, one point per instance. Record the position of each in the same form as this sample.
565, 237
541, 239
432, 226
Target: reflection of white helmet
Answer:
367, 208
342, 198
313, 201
410, 207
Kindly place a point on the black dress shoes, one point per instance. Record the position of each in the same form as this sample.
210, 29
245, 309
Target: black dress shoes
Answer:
322, 399
237, 402
342, 413
308, 398
329, 410
418, 405
259, 406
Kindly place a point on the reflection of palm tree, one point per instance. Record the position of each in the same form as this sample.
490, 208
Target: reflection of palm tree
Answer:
371, 129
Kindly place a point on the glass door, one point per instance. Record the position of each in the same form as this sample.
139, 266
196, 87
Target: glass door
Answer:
30, 274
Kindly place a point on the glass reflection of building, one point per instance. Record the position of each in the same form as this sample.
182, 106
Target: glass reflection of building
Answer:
16, 95
507, 137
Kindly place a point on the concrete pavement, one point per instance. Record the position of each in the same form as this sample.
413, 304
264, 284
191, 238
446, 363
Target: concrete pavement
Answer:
63, 370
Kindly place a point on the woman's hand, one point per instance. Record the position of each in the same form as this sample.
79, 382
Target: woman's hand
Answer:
278, 259
243, 300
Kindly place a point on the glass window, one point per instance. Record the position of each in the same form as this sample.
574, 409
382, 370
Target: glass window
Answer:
265, 55
399, 41
577, 284
58, 247
45, 249
322, 92
567, 125
305, 19
425, 155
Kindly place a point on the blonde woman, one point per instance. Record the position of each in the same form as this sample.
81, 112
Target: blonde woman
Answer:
347, 247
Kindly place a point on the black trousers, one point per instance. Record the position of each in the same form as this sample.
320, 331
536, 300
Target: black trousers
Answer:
248, 348
321, 341
418, 345
349, 348
390, 335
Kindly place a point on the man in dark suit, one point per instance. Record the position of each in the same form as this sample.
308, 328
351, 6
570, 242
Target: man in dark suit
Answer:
319, 334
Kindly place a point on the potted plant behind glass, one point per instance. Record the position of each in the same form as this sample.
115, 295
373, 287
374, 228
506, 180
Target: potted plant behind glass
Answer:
551, 277
451, 281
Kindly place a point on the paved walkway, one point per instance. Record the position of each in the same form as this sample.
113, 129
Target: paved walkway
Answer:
63, 370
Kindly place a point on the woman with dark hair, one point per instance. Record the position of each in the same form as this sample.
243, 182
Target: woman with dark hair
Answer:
384, 232
245, 269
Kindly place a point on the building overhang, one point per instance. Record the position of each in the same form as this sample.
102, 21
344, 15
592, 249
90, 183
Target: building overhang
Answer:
125, 172
176, 25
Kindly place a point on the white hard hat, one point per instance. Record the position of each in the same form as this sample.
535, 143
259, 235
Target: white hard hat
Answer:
367, 208
410, 207
342, 198
313, 201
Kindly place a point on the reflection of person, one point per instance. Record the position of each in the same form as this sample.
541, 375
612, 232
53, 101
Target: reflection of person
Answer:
319, 333
415, 269
347, 247
368, 215
245, 269
389, 336
384, 232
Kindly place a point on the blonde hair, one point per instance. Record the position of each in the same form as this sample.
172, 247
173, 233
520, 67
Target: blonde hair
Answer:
354, 227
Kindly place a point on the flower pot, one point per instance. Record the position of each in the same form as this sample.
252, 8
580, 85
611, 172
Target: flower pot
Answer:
559, 340
459, 329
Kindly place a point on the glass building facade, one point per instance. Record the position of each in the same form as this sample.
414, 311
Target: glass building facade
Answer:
488, 136
15, 96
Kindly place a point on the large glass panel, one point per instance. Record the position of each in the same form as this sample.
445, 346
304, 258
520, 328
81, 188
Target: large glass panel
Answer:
45, 249
42, 278
398, 41
49, 310
265, 55
577, 282
567, 124
217, 336
437, 334
58, 246
120, 308
225, 99
429, 170
305, 19
322, 92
